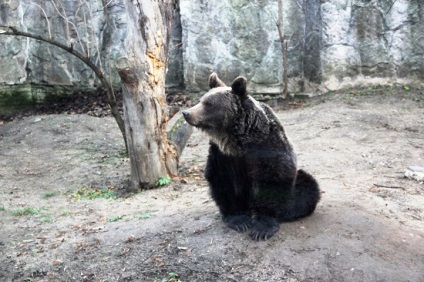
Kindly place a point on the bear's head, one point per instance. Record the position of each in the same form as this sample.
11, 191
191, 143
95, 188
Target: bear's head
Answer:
218, 107
229, 115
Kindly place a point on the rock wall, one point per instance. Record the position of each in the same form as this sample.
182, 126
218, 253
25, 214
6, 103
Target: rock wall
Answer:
332, 43
374, 40
240, 37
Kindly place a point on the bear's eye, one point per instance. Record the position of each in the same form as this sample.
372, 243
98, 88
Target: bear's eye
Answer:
207, 104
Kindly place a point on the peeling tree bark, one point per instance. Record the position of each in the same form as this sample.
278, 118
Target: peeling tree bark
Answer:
142, 71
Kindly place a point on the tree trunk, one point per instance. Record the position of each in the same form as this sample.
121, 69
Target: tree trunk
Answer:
142, 71
153, 151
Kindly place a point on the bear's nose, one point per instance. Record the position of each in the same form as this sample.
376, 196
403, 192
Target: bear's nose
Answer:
186, 114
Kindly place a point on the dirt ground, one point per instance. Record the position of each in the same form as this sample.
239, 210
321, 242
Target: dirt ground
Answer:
60, 222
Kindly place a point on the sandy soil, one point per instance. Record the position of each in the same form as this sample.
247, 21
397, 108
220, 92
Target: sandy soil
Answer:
369, 225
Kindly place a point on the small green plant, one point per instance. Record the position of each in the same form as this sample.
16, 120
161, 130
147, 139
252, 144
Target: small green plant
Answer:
172, 277
26, 211
123, 153
49, 195
47, 218
65, 213
115, 218
144, 215
2, 208
163, 181
93, 193
406, 88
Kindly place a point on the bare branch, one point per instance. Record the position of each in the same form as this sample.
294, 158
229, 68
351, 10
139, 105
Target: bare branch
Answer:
298, 4
107, 4
45, 16
110, 73
386, 186
64, 17
10, 30
95, 43
279, 14
391, 7
67, 22
86, 28
283, 42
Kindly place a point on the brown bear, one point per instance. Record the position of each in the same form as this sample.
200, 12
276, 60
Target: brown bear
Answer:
251, 166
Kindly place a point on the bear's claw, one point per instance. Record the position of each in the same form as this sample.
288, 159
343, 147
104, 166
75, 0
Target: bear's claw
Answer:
265, 227
240, 223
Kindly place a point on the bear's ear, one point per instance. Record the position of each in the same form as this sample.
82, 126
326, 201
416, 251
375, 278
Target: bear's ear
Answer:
214, 81
239, 86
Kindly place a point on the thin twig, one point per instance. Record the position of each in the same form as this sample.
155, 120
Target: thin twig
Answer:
392, 187
391, 7
64, 17
87, 37
94, 37
107, 4
170, 267
67, 22
47, 19
176, 45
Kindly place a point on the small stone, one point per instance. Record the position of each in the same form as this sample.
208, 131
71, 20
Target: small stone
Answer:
415, 172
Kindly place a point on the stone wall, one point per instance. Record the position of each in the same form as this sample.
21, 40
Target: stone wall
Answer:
372, 40
333, 43
240, 37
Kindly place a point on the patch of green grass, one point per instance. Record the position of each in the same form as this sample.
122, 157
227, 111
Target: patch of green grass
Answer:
92, 193
26, 211
2, 208
163, 181
115, 218
48, 195
364, 91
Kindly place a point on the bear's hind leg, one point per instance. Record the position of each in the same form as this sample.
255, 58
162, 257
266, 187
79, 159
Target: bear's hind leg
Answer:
304, 200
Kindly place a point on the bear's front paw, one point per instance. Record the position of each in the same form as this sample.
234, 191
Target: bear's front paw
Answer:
265, 227
240, 223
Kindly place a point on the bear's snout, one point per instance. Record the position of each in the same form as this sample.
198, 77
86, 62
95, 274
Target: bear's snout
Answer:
188, 117
186, 114
193, 116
